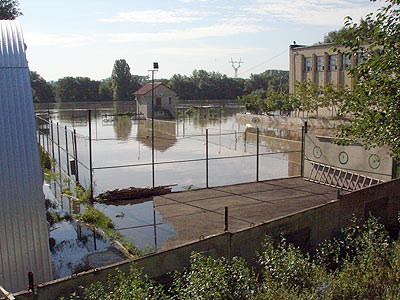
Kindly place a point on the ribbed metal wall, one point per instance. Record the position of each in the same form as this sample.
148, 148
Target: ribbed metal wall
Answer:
24, 243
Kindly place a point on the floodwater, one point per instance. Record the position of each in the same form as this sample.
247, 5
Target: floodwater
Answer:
122, 157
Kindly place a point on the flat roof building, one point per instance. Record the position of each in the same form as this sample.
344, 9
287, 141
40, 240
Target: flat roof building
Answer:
320, 64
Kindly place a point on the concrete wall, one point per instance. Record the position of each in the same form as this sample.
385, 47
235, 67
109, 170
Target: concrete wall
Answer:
287, 121
306, 229
375, 163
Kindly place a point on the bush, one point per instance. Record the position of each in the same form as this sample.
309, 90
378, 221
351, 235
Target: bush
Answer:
361, 264
131, 286
210, 278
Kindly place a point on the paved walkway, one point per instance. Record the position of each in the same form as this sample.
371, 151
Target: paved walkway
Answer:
200, 213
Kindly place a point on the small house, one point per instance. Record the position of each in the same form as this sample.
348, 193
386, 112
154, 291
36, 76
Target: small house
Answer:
164, 101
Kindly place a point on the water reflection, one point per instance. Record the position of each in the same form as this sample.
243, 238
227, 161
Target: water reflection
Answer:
122, 127
164, 134
140, 223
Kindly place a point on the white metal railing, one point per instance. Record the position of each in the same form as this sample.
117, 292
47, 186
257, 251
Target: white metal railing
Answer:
9, 295
338, 178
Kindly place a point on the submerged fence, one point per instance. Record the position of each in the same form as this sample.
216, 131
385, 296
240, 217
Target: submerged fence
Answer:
73, 152
68, 150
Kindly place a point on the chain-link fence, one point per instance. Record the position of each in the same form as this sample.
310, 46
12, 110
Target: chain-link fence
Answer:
68, 150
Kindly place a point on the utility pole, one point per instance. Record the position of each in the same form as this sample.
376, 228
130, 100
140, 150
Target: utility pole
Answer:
155, 69
236, 66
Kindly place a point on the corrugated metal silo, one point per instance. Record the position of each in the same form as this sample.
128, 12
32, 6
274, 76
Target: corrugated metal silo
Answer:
24, 243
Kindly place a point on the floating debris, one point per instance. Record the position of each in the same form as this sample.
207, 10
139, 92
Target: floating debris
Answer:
132, 193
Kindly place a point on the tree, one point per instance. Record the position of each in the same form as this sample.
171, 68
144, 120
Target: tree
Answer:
277, 101
138, 81
344, 33
9, 10
307, 96
77, 89
375, 100
121, 81
105, 90
42, 91
275, 79
254, 102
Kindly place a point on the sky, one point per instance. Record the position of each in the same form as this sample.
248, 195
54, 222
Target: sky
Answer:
85, 37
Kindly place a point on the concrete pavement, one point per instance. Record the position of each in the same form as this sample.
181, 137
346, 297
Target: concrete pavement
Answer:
199, 213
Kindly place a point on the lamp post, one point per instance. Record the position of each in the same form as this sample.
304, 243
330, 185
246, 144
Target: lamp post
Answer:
155, 69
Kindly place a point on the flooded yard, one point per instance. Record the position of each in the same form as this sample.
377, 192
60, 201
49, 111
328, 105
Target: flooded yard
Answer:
205, 145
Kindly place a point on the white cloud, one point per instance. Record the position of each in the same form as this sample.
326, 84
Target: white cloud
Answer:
205, 51
222, 29
41, 39
312, 12
156, 16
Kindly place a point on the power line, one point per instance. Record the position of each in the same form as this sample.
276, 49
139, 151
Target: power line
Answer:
264, 62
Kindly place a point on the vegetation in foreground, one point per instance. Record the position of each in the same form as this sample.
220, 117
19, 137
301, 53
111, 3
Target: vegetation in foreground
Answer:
364, 263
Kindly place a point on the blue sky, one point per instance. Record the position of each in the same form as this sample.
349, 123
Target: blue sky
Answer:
85, 37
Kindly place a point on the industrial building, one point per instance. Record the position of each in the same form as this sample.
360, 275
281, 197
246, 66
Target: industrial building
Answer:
321, 64
24, 243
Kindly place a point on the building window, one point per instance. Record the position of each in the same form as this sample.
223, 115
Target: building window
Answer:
360, 57
170, 100
346, 61
307, 64
332, 63
320, 63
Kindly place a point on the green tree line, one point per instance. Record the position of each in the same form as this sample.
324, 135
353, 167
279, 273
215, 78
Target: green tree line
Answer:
361, 263
308, 98
200, 85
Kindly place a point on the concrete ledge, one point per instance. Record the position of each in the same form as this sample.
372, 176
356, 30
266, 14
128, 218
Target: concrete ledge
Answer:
288, 121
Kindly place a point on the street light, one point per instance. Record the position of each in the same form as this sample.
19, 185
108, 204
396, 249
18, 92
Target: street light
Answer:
155, 69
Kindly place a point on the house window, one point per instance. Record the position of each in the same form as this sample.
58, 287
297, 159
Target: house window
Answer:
307, 64
346, 61
170, 100
332, 63
158, 101
320, 63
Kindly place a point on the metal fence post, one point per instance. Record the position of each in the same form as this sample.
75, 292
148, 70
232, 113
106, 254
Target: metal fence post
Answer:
155, 227
59, 151
226, 228
90, 155
207, 158
76, 158
303, 136
52, 140
47, 140
66, 149
258, 156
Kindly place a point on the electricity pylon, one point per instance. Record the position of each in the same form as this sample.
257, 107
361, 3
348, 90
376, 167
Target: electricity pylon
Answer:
236, 66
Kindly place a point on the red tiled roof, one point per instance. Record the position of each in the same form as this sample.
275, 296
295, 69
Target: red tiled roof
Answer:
147, 88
